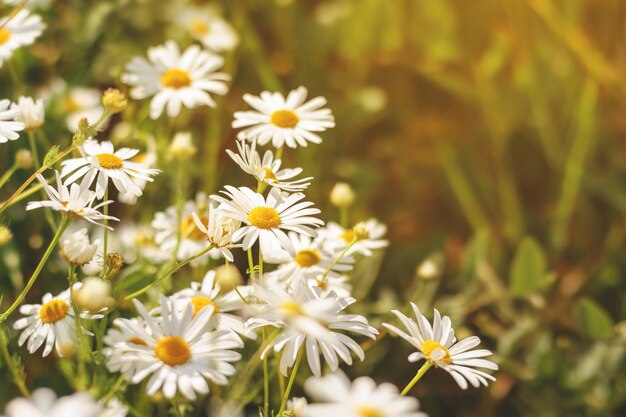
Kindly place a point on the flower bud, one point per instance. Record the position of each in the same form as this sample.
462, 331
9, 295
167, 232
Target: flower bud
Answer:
114, 101
24, 159
430, 268
114, 261
228, 277
32, 113
342, 195
182, 146
76, 248
67, 348
5, 235
94, 295
361, 231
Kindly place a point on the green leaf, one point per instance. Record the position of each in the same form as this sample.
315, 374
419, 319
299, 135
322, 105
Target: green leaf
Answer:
528, 270
592, 319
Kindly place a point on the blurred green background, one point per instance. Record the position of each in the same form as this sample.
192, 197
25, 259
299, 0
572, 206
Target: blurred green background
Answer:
488, 136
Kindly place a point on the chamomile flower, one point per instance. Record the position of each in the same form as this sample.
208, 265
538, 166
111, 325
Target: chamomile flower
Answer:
31, 113
44, 402
210, 29
360, 398
312, 322
19, 30
76, 248
337, 238
179, 352
174, 79
82, 103
147, 159
438, 345
218, 229
9, 125
102, 159
284, 121
75, 201
209, 293
266, 219
124, 333
268, 170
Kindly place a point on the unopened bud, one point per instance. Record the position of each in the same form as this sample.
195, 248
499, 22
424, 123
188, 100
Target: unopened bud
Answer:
182, 146
114, 101
24, 159
228, 277
430, 268
94, 295
342, 195
114, 261
83, 125
76, 248
67, 348
51, 156
5, 235
361, 231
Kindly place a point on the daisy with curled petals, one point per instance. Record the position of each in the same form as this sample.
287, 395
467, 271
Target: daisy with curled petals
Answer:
174, 79
209, 294
438, 346
102, 159
19, 30
9, 125
360, 398
284, 121
179, 353
337, 238
218, 229
311, 322
266, 218
267, 170
75, 201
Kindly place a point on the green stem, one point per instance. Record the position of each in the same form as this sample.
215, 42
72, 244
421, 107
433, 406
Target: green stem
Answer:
251, 264
266, 381
7, 175
33, 149
341, 255
33, 278
114, 388
16, 374
169, 272
344, 216
292, 378
105, 211
420, 373
82, 373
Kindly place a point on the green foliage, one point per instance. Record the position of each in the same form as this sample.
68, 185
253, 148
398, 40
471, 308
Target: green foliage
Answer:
528, 270
592, 319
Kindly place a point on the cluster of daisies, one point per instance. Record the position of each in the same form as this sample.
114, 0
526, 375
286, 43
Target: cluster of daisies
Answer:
296, 299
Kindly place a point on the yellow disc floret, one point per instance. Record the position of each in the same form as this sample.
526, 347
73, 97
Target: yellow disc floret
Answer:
429, 346
5, 35
200, 302
284, 118
366, 411
348, 236
173, 350
189, 229
137, 341
199, 27
291, 308
264, 217
267, 174
176, 78
307, 257
109, 161
53, 311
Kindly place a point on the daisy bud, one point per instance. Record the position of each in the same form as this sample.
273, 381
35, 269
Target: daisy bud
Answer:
430, 268
342, 195
5, 235
361, 231
94, 295
114, 101
77, 250
67, 348
228, 277
182, 146
24, 159
32, 113
114, 261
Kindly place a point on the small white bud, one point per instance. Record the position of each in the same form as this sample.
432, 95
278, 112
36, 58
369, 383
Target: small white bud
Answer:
361, 231
342, 195
228, 277
5, 235
94, 295
182, 146
76, 249
32, 113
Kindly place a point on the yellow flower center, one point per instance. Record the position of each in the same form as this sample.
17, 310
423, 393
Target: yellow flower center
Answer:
173, 350
140, 157
322, 284
284, 119
137, 341
348, 236
269, 174
200, 302
71, 105
189, 229
307, 257
176, 78
5, 35
366, 411
429, 346
291, 308
199, 27
264, 217
110, 161
53, 311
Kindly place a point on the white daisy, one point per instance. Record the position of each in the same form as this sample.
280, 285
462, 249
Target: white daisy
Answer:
361, 398
209, 293
284, 121
207, 27
310, 319
9, 125
175, 80
102, 159
219, 229
76, 248
180, 353
75, 201
265, 219
123, 334
268, 169
83, 103
31, 113
337, 238
19, 30
45, 403
148, 159
437, 345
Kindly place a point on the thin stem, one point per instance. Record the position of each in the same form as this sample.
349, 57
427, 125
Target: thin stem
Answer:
167, 273
82, 373
114, 388
344, 216
64, 223
251, 264
105, 211
16, 374
33, 149
292, 378
266, 382
341, 255
7, 175
420, 373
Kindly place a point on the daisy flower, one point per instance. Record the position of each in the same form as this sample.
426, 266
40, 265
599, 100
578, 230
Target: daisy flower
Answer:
102, 159
123, 334
311, 321
208, 28
437, 344
45, 403
265, 219
75, 201
209, 293
31, 113
284, 121
19, 30
82, 103
76, 248
179, 352
147, 159
361, 398
337, 238
218, 229
268, 170
9, 125
174, 80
